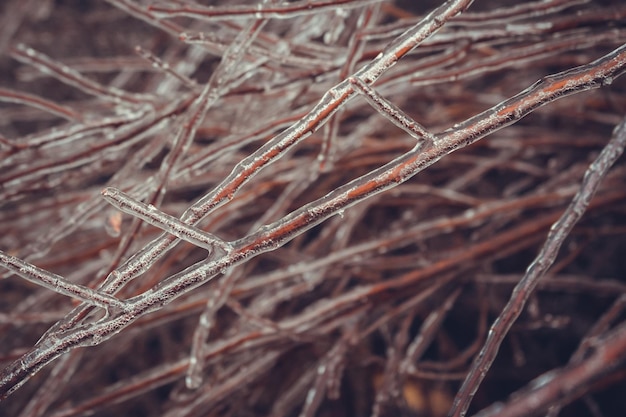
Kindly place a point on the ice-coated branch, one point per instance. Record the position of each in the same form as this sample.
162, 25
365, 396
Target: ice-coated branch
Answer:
261, 11
163, 221
392, 112
72, 77
274, 235
276, 142
279, 145
568, 383
537, 269
58, 284
8, 95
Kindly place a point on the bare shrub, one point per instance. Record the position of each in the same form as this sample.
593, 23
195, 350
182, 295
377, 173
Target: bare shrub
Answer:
215, 209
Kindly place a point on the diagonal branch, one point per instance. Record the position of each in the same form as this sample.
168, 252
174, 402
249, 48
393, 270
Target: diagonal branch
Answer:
558, 233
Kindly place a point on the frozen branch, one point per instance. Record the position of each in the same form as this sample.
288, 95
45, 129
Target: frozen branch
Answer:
333, 268
537, 269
